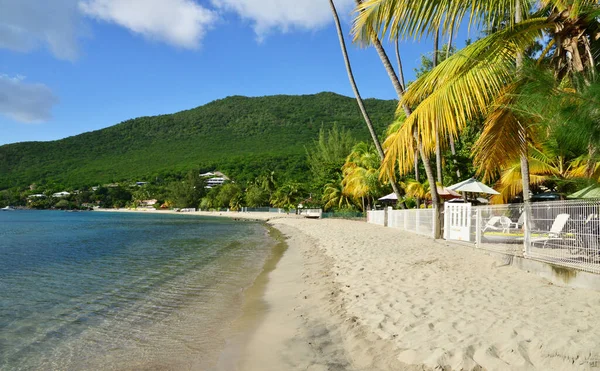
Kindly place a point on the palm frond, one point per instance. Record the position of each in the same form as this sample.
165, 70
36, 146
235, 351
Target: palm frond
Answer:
500, 143
460, 89
401, 19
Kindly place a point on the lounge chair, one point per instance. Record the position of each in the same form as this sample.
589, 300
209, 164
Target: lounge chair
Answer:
498, 223
519, 223
556, 231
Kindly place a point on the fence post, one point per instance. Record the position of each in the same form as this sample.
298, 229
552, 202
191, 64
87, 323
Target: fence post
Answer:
385, 216
446, 220
433, 215
527, 223
478, 227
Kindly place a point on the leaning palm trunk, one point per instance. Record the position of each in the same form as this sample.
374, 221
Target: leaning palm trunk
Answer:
399, 88
450, 137
359, 100
524, 147
438, 147
523, 133
400, 69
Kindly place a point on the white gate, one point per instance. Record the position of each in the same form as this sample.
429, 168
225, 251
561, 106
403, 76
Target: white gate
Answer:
457, 221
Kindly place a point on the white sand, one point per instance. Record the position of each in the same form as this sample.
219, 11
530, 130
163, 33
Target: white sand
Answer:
354, 296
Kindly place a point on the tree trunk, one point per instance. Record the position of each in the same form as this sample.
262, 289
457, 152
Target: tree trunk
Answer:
523, 134
437, 219
400, 69
359, 100
524, 155
450, 138
399, 91
398, 86
438, 147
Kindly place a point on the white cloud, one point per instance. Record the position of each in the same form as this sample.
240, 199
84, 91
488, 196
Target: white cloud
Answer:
25, 102
284, 15
27, 24
178, 22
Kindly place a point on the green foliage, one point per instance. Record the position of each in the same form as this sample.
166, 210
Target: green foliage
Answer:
327, 155
189, 191
229, 196
334, 196
110, 197
242, 137
256, 196
63, 204
288, 196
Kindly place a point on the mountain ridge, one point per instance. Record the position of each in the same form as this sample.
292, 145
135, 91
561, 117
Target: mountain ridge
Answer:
244, 135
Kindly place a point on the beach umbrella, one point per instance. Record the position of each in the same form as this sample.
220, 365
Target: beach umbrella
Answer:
472, 185
592, 191
391, 197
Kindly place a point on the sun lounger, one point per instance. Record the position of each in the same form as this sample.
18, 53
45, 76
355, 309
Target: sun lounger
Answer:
556, 231
498, 223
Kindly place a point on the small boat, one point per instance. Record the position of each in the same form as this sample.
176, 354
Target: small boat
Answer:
8, 208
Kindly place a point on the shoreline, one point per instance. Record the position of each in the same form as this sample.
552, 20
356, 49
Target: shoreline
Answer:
350, 295
354, 296
252, 216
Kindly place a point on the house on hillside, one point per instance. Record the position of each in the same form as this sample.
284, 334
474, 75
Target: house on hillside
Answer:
61, 194
214, 179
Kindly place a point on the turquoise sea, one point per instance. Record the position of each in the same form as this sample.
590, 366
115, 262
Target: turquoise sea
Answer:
121, 291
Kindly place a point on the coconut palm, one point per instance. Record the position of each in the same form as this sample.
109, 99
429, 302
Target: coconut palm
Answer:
334, 196
417, 189
287, 196
468, 84
547, 167
361, 174
394, 78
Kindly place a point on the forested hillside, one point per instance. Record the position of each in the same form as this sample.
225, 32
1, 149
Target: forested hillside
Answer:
238, 135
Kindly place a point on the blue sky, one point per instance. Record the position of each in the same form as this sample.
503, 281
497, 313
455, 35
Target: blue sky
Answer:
71, 66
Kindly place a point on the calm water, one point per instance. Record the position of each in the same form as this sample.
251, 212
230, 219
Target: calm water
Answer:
121, 291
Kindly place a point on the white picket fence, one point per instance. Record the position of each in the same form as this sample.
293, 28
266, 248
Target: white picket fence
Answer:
563, 233
411, 220
376, 217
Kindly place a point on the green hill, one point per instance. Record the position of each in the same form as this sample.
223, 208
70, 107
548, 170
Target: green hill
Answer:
239, 135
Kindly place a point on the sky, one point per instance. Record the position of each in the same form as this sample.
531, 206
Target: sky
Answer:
72, 66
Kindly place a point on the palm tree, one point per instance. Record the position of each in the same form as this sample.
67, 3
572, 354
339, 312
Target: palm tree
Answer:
334, 196
359, 100
399, 87
361, 174
467, 84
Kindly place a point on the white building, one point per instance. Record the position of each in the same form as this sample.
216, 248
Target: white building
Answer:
214, 179
61, 194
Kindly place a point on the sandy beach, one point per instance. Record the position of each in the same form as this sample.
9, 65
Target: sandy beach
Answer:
348, 295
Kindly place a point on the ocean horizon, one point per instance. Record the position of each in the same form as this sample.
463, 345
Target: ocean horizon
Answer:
122, 290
